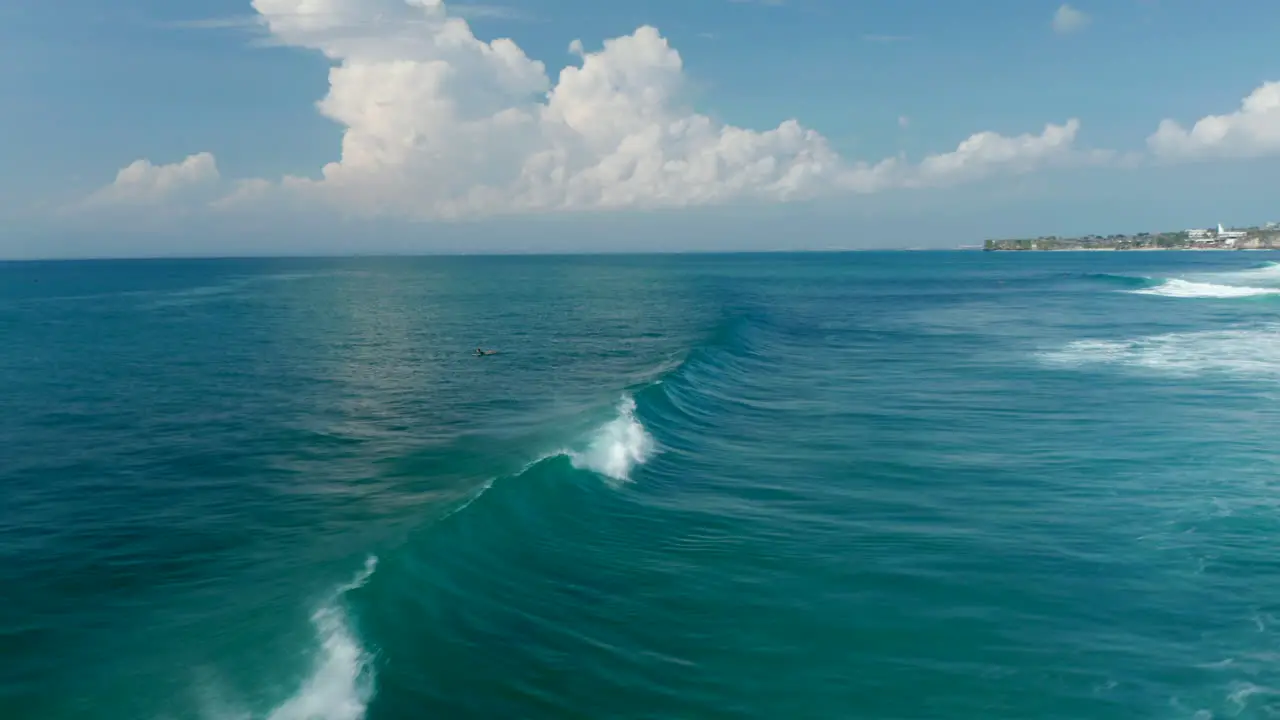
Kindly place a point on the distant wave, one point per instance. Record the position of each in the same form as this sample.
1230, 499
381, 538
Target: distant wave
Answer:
1179, 288
235, 287
1256, 281
341, 683
1249, 352
1121, 280
1266, 272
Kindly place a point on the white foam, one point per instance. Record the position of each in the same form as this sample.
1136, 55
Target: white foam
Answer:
361, 577
617, 446
1177, 287
341, 684
1252, 352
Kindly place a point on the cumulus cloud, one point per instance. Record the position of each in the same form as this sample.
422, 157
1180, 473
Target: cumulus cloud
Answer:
141, 183
987, 152
1068, 19
1251, 131
980, 156
441, 124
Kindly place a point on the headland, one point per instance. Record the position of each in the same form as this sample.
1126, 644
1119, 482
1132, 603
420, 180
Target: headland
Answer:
1266, 237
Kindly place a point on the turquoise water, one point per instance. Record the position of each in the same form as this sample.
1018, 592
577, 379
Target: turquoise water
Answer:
897, 485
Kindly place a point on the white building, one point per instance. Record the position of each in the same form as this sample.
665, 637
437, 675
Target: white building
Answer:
1199, 235
1231, 234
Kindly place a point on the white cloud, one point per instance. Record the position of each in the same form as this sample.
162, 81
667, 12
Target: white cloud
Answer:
987, 153
1068, 19
142, 184
440, 124
1251, 131
903, 121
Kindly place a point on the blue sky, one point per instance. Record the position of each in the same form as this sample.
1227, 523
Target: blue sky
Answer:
90, 87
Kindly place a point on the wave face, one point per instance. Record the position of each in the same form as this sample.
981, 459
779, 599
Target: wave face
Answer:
1129, 281
707, 486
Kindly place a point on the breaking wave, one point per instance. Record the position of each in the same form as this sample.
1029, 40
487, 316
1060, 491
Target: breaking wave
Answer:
612, 446
669, 394
1251, 282
1179, 288
1252, 352
613, 450
618, 446
341, 682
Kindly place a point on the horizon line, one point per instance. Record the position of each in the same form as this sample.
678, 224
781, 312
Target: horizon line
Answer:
498, 253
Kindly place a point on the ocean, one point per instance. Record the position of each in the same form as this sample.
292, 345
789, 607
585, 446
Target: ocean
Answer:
865, 485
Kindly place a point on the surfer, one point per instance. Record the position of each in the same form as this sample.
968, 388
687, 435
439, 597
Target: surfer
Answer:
482, 353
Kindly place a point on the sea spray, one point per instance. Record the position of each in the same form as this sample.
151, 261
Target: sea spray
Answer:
617, 446
341, 684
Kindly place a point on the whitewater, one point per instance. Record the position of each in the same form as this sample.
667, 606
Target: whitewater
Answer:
889, 484
1250, 282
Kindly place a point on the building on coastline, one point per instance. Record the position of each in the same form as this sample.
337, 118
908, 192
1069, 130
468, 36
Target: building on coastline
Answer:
1252, 238
1201, 236
1229, 237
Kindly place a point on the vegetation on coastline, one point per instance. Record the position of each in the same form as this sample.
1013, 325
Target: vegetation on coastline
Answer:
1255, 238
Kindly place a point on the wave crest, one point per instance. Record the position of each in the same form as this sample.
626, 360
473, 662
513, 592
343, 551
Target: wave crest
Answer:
617, 446
1177, 287
341, 684
1118, 279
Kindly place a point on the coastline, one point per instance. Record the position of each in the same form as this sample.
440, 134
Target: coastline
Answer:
1266, 238
1149, 249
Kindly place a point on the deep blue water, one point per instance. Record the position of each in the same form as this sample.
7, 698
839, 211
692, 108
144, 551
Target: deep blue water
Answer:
868, 485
